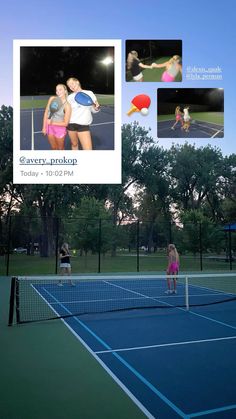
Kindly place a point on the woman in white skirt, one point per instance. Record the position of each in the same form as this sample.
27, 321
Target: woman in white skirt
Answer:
65, 264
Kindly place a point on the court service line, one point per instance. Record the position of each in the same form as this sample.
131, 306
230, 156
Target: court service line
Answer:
221, 130
178, 308
115, 378
126, 364
162, 345
212, 320
207, 126
209, 412
139, 294
154, 297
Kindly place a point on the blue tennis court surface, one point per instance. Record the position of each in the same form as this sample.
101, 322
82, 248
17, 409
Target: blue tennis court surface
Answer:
172, 362
32, 138
198, 129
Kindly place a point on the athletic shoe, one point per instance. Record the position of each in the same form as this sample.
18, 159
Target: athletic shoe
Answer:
174, 292
168, 292
60, 284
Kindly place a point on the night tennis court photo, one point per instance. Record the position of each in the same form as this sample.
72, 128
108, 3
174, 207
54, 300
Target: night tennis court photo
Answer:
190, 113
42, 69
154, 60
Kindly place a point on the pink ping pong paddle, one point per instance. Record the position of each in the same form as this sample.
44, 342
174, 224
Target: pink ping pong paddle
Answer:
139, 102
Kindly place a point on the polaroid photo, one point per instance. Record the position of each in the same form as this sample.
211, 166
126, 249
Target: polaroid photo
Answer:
67, 111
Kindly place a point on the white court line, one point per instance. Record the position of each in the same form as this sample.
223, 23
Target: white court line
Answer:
32, 130
139, 294
162, 345
200, 120
221, 130
155, 297
106, 368
206, 126
92, 125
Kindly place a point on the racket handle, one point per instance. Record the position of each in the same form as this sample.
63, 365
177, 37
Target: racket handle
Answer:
132, 110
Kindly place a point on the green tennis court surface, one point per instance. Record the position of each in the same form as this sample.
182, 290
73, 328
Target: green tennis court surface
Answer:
47, 374
37, 102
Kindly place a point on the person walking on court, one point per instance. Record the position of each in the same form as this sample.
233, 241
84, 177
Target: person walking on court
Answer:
135, 66
178, 117
65, 264
172, 268
81, 116
187, 119
54, 124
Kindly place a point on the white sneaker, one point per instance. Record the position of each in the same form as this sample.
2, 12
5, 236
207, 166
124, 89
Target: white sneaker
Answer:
168, 292
174, 292
60, 284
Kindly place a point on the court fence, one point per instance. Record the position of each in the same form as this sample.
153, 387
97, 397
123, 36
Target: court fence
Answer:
31, 246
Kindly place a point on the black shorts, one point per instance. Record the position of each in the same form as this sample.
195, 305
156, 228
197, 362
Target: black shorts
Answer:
78, 128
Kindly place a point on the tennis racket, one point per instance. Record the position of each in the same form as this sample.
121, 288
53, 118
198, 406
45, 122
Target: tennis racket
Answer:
84, 99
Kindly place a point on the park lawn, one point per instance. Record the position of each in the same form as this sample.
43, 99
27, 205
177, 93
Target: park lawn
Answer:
38, 103
123, 262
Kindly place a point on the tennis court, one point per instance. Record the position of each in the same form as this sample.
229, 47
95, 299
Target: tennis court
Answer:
173, 355
31, 117
203, 125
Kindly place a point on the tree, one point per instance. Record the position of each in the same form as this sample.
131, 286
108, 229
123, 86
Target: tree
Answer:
135, 140
196, 174
90, 226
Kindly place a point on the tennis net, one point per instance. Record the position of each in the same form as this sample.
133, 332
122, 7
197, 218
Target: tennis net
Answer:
45, 298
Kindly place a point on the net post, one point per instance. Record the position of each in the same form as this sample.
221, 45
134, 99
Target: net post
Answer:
186, 294
12, 301
99, 244
56, 245
138, 246
8, 245
230, 249
17, 302
200, 245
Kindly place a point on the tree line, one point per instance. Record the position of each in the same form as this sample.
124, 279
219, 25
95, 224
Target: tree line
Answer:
183, 185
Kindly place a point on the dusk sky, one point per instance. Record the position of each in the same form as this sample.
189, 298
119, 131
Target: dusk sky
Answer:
207, 30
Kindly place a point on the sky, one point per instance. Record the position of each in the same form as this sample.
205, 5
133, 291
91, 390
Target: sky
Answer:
207, 29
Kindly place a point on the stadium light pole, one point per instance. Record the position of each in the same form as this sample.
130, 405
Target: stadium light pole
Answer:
107, 61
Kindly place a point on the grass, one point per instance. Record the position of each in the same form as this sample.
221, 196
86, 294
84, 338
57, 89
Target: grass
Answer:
46, 373
211, 117
153, 75
104, 100
36, 265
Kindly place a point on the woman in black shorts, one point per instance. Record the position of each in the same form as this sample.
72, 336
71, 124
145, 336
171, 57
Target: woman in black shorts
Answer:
81, 116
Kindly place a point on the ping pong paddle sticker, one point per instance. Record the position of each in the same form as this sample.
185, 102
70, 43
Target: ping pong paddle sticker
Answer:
140, 103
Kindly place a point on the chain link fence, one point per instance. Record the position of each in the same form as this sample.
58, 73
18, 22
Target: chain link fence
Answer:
30, 246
